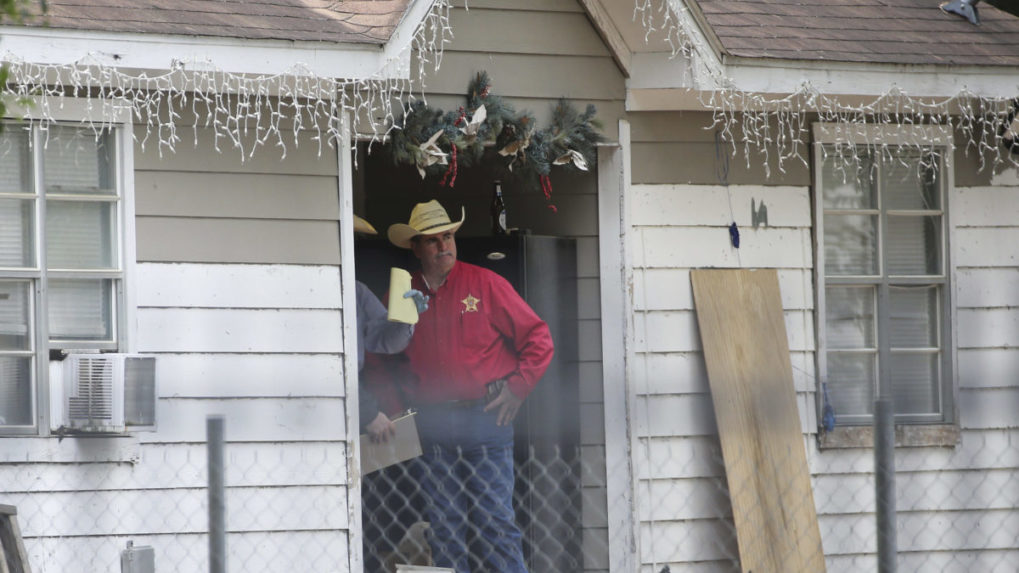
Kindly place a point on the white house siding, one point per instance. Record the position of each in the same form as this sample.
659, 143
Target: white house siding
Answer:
957, 506
238, 291
682, 504
535, 51
239, 295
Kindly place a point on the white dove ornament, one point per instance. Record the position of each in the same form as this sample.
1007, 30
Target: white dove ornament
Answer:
431, 154
572, 155
472, 127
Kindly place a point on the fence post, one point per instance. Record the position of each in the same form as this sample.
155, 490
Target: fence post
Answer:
884, 478
217, 495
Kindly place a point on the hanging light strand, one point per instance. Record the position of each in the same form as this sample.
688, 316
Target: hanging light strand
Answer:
245, 113
777, 127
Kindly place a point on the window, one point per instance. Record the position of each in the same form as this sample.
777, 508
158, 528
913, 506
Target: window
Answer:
61, 256
883, 272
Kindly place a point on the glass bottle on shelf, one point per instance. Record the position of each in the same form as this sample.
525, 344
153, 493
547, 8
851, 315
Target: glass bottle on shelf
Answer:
498, 210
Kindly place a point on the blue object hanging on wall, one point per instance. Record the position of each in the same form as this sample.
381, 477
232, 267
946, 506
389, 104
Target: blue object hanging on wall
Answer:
828, 412
734, 234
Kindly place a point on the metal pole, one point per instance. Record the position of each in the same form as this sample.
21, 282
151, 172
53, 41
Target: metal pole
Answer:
884, 467
217, 495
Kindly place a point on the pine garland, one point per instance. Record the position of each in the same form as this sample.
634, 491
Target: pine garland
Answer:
487, 128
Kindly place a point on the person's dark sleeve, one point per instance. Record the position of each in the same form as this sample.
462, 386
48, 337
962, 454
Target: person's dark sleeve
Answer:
382, 336
367, 406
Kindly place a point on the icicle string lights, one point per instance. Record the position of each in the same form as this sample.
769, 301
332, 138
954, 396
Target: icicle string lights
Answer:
245, 112
778, 128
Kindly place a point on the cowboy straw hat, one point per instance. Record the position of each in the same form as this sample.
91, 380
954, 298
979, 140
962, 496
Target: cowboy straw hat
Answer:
425, 219
362, 226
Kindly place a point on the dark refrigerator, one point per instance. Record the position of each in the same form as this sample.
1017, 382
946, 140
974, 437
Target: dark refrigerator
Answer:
543, 270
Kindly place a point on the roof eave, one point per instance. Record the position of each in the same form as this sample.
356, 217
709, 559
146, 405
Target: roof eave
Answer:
158, 53
774, 79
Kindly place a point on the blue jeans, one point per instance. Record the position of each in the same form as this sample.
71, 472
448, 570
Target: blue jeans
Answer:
468, 480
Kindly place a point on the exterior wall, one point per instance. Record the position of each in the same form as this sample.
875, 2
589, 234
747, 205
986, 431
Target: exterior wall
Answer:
957, 509
239, 295
535, 51
237, 285
956, 506
679, 219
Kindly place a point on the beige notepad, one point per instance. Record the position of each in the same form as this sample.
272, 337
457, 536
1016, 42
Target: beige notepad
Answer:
401, 309
401, 447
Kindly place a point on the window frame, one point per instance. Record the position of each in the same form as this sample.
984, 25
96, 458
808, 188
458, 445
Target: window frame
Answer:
931, 429
46, 379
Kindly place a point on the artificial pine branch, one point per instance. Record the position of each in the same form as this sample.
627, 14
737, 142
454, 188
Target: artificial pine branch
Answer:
522, 151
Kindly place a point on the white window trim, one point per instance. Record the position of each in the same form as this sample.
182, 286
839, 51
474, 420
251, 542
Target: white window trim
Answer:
116, 115
939, 434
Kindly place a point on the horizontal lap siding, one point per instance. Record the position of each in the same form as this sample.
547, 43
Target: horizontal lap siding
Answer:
251, 464
196, 205
956, 504
987, 284
682, 491
534, 53
671, 148
180, 510
238, 294
958, 507
178, 552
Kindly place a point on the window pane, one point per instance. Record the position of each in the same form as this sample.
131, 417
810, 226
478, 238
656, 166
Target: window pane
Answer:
851, 187
913, 246
15, 308
914, 318
16, 391
79, 235
851, 383
850, 245
911, 181
915, 383
80, 309
849, 317
15, 161
17, 232
76, 162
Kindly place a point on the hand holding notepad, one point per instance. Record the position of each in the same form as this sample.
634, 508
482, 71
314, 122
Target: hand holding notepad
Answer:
402, 308
404, 445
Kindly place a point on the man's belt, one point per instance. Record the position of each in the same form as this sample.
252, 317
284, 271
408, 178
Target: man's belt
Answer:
463, 404
492, 391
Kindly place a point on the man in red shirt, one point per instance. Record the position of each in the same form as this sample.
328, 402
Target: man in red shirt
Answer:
477, 355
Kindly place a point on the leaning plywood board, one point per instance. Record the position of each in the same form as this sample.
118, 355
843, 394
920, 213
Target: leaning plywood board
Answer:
739, 313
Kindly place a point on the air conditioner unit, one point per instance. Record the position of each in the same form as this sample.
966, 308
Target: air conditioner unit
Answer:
109, 393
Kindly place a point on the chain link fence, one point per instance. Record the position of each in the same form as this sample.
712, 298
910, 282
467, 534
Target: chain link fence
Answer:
287, 509
400, 526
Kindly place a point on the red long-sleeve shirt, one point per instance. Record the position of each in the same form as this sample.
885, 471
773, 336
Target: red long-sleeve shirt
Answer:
477, 329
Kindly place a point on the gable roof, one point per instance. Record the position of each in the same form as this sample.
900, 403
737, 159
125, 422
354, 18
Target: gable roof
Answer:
344, 40
862, 31
853, 50
338, 22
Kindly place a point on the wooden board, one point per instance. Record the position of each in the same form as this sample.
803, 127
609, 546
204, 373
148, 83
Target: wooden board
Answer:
13, 557
739, 313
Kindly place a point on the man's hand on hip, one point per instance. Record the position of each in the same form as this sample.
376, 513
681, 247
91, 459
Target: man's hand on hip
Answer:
508, 404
